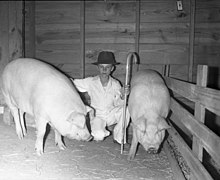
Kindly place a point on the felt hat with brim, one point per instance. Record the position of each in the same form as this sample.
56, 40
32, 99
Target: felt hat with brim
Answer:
106, 57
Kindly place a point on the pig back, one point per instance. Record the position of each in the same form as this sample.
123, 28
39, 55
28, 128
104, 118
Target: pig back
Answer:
148, 94
37, 87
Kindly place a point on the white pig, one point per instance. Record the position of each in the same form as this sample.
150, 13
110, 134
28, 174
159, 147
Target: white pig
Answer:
148, 105
37, 88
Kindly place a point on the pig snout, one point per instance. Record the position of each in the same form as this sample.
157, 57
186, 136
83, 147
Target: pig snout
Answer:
152, 150
80, 134
86, 136
89, 138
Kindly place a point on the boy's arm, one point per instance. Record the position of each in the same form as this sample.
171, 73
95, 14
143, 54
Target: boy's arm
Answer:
80, 84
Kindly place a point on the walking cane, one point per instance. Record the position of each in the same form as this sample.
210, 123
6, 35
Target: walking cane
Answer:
127, 82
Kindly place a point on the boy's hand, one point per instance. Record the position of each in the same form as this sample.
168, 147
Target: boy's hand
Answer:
125, 91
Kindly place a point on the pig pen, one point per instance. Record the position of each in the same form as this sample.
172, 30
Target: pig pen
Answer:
80, 160
178, 159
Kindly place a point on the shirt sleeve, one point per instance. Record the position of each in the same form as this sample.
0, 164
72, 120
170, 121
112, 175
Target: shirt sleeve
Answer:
82, 85
118, 101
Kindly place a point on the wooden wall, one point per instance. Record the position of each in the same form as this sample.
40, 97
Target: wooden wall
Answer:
111, 25
207, 39
161, 37
153, 28
10, 33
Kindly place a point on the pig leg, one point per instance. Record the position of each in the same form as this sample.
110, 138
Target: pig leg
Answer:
134, 144
41, 129
58, 140
18, 127
14, 110
15, 114
21, 114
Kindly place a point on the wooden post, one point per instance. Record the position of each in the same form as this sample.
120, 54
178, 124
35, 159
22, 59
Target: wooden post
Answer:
191, 39
166, 70
15, 29
4, 36
137, 26
202, 76
3, 44
82, 37
10, 39
31, 48
23, 28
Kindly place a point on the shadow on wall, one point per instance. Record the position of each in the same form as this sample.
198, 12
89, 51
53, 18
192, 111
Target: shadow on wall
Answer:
214, 77
212, 120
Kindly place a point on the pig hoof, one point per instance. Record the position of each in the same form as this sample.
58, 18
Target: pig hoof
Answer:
61, 146
25, 133
130, 158
98, 140
39, 152
20, 136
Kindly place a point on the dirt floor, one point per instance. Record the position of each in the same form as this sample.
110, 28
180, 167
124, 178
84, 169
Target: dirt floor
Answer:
80, 160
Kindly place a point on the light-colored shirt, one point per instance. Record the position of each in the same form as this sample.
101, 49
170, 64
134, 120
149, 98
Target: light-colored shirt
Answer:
103, 99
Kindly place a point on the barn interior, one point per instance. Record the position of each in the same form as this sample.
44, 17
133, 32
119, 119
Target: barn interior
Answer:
180, 39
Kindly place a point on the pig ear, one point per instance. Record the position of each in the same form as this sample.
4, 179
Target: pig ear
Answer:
77, 118
163, 125
141, 123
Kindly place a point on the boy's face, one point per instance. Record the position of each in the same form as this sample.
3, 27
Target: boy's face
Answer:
105, 69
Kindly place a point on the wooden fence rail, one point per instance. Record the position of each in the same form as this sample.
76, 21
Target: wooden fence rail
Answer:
202, 136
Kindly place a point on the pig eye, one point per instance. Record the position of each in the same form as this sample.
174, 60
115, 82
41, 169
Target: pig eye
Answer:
142, 132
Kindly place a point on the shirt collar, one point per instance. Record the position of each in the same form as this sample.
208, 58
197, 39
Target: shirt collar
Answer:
97, 78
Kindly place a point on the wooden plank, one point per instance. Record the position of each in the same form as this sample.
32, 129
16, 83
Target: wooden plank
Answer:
57, 5
207, 11
163, 11
4, 58
58, 27
105, 11
149, 53
31, 34
56, 37
72, 70
15, 29
119, 73
207, 33
198, 172
4, 23
57, 12
23, 28
210, 98
151, 11
191, 38
181, 125
177, 33
209, 139
60, 53
202, 74
120, 33
60, 56
163, 54
179, 71
82, 37
137, 27
207, 53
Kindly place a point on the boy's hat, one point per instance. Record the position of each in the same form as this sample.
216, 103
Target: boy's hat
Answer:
106, 57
